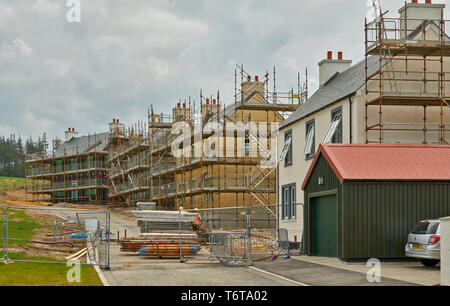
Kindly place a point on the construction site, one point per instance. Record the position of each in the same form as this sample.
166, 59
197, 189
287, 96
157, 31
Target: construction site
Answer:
413, 53
144, 168
215, 181
74, 172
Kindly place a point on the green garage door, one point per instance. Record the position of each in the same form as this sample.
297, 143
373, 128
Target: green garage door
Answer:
324, 226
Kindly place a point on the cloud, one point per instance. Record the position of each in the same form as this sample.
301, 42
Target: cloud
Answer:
128, 54
16, 48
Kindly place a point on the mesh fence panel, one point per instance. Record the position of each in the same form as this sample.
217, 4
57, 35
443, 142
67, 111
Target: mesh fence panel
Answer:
2, 234
228, 246
56, 235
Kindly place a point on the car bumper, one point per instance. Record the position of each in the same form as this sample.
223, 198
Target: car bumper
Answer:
428, 254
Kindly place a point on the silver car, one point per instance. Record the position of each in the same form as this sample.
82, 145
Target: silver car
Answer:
424, 243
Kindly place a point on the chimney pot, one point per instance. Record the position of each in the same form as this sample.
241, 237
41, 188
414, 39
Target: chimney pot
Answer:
178, 105
330, 55
214, 101
249, 78
428, 1
340, 55
415, 1
184, 105
257, 78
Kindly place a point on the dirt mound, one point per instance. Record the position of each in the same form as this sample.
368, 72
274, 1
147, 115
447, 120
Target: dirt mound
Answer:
14, 195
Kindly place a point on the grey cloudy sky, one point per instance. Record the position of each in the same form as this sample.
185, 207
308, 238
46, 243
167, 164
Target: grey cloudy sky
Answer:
128, 54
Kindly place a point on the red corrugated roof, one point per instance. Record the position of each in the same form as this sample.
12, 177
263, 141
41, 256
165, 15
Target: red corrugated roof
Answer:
385, 162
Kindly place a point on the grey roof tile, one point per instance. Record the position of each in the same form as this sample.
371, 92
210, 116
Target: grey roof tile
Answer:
341, 85
79, 144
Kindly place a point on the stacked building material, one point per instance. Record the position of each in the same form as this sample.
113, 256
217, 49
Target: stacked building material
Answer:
134, 245
168, 250
150, 220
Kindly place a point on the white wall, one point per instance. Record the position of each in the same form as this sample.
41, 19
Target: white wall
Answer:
411, 116
445, 251
298, 170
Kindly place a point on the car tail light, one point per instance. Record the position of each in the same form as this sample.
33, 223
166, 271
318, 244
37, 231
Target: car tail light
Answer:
434, 240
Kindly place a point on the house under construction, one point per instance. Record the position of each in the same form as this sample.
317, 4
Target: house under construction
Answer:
413, 54
205, 164
75, 172
129, 164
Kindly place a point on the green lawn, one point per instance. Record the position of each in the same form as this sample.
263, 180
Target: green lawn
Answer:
11, 183
40, 274
20, 227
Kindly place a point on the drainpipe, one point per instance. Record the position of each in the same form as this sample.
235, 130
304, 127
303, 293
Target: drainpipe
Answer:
277, 178
350, 103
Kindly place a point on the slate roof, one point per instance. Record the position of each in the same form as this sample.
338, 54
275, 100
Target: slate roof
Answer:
81, 144
340, 86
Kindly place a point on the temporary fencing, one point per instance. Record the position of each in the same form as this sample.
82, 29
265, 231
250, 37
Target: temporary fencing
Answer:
55, 235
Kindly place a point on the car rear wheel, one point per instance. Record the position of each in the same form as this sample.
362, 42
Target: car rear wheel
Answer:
429, 262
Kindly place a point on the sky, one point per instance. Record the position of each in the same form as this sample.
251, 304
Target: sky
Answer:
125, 55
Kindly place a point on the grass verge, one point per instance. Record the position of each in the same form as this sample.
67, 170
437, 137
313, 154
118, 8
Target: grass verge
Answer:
11, 183
21, 227
42, 274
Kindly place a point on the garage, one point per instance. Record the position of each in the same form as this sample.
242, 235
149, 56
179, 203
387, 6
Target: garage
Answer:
362, 201
324, 213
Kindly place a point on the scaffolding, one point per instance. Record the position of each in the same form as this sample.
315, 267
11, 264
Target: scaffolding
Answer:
151, 163
229, 177
129, 166
412, 56
70, 174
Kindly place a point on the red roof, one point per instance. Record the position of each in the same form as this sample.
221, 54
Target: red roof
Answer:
385, 162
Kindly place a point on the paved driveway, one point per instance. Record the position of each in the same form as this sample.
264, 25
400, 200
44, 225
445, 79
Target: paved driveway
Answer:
320, 275
129, 270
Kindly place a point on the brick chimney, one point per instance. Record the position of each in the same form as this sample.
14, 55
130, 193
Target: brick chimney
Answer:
329, 66
181, 112
70, 133
252, 85
416, 13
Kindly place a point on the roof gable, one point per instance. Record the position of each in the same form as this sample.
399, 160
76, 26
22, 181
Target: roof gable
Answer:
428, 25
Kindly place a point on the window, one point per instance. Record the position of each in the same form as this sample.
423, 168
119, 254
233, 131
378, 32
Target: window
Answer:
247, 145
310, 140
334, 134
288, 202
286, 154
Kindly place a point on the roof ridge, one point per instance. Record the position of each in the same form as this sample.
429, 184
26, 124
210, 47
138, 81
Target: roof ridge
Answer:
386, 145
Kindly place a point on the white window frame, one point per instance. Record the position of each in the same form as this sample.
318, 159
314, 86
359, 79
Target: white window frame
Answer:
287, 147
289, 207
310, 140
333, 128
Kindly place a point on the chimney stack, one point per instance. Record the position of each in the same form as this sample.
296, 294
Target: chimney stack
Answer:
329, 67
330, 55
416, 13
70, 133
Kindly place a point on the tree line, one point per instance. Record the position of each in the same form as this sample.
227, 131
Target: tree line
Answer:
13, 150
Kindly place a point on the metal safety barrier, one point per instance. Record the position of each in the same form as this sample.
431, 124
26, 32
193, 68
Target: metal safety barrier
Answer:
86, 229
